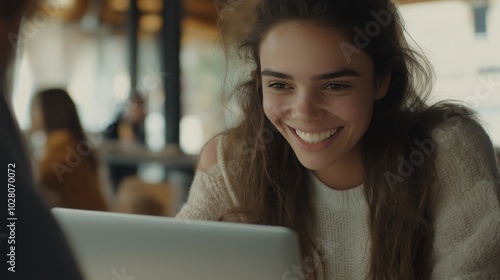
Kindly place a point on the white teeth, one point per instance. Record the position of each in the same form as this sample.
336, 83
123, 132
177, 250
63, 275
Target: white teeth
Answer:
316, 137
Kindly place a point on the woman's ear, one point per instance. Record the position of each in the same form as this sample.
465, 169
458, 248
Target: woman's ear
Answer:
382, 86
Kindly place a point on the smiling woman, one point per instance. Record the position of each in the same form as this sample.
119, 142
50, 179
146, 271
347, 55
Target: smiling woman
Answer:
337, 143
322, 94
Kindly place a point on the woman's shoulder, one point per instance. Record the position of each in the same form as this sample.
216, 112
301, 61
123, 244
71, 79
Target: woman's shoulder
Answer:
215, 153
211, 194
208, 155
59, 137
464, 151
212, 153
461, 133
455, 138
452, 124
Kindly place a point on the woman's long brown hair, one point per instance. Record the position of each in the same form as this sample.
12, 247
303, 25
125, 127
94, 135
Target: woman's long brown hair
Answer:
59, 112
398, 149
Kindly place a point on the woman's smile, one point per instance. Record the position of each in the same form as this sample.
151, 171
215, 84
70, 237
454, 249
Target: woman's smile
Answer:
315, 141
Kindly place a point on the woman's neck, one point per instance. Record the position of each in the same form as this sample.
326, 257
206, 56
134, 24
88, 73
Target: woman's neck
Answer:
346, 173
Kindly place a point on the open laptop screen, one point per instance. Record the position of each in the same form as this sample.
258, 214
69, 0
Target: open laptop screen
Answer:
113, 246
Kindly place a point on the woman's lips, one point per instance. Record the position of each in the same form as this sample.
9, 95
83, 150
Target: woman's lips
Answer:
316, 141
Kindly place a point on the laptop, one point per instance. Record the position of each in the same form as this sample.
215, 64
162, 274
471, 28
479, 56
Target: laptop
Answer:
115, 246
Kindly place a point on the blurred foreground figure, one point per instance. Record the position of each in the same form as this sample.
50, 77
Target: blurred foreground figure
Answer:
31, 240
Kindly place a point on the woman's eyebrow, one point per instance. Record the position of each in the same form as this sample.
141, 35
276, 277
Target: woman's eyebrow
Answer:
341, 73
267, 72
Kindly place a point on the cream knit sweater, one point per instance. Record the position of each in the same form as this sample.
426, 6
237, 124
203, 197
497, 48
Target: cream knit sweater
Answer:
466, 206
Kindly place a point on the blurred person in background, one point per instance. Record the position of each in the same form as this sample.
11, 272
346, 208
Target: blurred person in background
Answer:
127, 128
67, 173
40, 251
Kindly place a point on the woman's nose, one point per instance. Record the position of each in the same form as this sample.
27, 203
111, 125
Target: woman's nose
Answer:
307, 106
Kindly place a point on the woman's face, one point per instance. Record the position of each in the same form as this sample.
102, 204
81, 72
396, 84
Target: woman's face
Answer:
320, 100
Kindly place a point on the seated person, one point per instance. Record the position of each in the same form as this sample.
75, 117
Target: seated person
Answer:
336, 141
127, 127
67, 173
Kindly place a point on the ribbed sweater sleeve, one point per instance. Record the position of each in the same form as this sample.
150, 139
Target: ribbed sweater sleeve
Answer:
204, 201
209, 196
466, 205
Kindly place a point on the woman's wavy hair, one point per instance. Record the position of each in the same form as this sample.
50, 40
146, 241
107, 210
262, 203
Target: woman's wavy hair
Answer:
269, 181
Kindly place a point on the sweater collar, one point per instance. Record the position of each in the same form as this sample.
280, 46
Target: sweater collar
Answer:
351, 198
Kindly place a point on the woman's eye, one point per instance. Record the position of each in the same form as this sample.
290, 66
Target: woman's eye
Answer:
336, 86
277, 85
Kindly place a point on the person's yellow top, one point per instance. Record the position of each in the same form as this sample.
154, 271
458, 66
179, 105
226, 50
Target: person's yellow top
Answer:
66, 170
